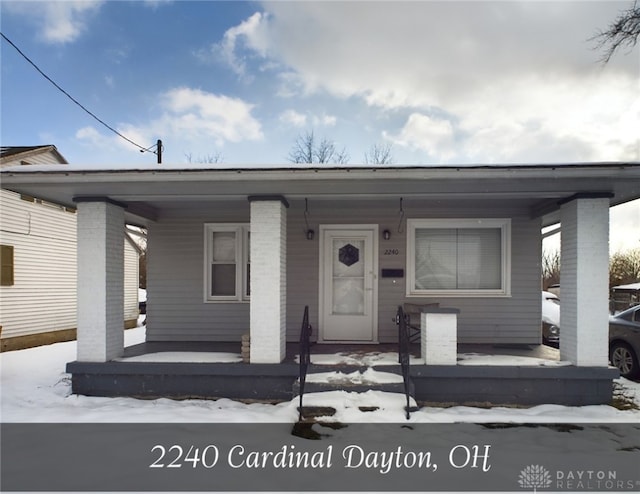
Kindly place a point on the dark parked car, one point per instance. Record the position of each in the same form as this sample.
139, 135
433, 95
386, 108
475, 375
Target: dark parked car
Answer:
624, 341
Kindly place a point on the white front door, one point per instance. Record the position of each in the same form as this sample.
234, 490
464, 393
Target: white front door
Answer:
348, 283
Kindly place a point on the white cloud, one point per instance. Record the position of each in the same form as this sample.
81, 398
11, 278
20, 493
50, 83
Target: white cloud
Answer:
625, 226
298, 119
325, 120
290, 84
59, 22
294, 118
90, 135
530, 119
249, 33
431, 135
201, 114
189, 116
519, 80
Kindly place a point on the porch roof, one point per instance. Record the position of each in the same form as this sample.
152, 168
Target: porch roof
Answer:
144, 190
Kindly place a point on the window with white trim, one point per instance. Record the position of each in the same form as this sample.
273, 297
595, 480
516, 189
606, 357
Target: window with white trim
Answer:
459, 257
227, 262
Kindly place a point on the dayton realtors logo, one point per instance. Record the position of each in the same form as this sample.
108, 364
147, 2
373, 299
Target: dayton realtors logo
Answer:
538, 477
535, 477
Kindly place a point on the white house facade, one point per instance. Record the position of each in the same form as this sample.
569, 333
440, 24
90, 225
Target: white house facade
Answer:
38, 294
240, 251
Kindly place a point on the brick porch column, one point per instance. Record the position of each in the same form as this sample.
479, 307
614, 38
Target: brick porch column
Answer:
100, 280
268, 278
439, 335
584, 280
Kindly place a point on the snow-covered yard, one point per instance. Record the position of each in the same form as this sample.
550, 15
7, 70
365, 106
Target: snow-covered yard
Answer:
35, 388
377, 451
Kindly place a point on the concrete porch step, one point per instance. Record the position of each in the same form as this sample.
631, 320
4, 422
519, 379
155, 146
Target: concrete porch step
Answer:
319, 387
349, 368
351, 378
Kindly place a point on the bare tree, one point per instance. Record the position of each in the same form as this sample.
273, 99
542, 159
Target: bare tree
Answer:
624, 267
550, 268
306, 149
302, 150
623, 31
379, 154
206, 159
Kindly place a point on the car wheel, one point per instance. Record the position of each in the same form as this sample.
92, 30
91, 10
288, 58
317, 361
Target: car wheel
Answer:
623, 357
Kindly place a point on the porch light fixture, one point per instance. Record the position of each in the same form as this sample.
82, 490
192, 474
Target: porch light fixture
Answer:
386, 234
308, 232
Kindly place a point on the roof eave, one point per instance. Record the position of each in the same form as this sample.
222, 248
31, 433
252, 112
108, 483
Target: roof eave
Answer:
34, 151
294, 173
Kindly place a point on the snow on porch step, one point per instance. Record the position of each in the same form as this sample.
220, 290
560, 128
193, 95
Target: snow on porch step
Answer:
319, 387
352, 379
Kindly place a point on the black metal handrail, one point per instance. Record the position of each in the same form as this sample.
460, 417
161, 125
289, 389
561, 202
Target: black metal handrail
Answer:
404, 356
305, 354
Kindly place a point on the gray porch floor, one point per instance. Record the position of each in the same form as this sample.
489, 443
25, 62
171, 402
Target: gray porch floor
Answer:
292, 350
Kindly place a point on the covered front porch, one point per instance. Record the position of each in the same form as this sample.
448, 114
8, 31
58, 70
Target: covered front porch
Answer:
256, 272
236, 251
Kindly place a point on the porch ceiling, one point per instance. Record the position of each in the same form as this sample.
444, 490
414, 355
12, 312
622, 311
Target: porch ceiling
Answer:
145, 191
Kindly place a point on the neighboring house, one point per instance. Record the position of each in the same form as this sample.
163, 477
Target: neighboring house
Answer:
234, 251
625, 296
38, 297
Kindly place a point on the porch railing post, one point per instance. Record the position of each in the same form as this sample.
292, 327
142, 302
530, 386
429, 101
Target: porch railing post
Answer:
404, 355
305, 355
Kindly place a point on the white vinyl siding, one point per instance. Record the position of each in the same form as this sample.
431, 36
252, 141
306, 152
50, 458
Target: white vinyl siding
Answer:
458, 257
176, 277
43, 296
482, 319
131, 281
227, 263
176, 311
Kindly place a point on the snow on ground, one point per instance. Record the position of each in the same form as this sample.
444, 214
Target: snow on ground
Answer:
368, 359
36, 388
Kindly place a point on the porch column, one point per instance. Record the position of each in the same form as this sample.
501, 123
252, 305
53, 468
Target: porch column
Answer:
584, 280
268, 278
100, 280
439, 335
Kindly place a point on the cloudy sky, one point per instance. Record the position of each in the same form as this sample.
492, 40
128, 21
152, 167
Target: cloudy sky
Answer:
438, 82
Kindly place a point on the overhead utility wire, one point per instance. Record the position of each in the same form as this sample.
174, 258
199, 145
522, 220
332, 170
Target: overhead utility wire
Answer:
142, 148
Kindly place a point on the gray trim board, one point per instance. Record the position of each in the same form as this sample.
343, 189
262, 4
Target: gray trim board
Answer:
586, 195
276, 197
448, 385
440, 310
508, 385
81, 199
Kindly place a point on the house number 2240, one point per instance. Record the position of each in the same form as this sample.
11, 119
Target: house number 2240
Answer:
391, 252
